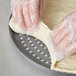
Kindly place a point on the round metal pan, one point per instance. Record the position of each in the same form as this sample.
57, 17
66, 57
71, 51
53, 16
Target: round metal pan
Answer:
35, 50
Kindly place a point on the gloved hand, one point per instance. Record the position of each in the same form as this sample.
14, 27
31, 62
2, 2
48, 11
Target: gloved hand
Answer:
64, 36
26, 13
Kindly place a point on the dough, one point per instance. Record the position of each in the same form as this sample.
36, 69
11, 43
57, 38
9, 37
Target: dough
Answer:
54, 12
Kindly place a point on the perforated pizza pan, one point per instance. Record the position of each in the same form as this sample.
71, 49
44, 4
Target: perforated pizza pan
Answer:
34, 49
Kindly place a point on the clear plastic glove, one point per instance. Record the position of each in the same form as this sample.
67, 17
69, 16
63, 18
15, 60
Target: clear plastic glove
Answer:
64, 36
26, 13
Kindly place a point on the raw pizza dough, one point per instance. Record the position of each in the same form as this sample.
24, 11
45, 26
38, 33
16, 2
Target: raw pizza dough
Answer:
54, 12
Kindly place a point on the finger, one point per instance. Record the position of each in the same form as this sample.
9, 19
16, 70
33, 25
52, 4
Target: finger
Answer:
58, 28
62, 24
66, 25
25, 7
58, 33
34, 12
17, 14
62, 34
64, 44
70, 49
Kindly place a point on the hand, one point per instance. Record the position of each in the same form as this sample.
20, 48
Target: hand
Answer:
26, 13
64, 36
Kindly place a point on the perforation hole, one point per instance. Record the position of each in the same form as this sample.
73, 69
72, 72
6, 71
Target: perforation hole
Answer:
38, 42
30, 52
47, 62
45, 48
27, 48
20, 35
34, 55
42, 53
38, 57
21, 38
46, 55
41, 45
30, 41
38, 50
32, 45
28, 38
36, 39
35, 47
42, 60
22, 42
